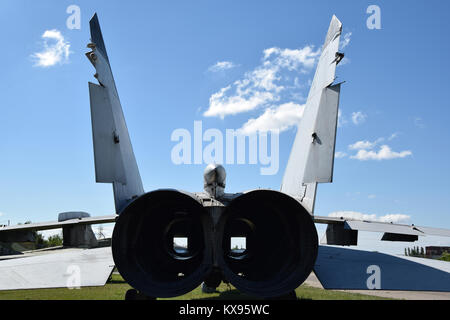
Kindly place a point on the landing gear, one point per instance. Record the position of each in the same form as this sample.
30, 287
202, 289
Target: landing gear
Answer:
133, 294
212, 281
208, 289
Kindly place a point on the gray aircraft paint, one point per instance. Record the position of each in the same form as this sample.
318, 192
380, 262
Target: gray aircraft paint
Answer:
114, 157
341, 268
64, 268
312, 155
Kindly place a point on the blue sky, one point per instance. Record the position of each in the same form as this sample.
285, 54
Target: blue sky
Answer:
163, 55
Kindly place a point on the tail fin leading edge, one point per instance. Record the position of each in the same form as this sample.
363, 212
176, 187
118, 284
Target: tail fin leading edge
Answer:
312, 156
114, 157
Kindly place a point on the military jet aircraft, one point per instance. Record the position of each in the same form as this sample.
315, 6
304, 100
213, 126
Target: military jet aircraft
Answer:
282, 245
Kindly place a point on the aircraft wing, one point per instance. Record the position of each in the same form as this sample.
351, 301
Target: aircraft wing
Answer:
64, 268
339, 228
55, 267
59, 224
349, 269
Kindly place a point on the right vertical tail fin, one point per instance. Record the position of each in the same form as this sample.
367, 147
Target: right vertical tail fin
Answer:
312, 155
114, 157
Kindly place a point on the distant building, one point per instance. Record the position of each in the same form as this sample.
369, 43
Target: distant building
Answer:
435, 252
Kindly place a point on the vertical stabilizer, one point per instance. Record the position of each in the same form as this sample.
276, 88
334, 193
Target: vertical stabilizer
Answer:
312, 155
114, 157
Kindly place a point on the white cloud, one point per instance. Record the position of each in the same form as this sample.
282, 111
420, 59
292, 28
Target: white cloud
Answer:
395, 218
366, 152
56, 53
362, 145
358, 117
340, 154
221, 66
341, 119
385, 153
345, 40
292, 58
265, 78
371, 196
353, 215
222, 105
393, 136
264, 85
280, 118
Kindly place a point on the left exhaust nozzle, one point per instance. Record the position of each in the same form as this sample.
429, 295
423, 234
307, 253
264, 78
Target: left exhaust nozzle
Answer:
159, 243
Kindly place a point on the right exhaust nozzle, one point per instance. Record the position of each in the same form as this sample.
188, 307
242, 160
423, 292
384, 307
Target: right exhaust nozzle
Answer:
280, 243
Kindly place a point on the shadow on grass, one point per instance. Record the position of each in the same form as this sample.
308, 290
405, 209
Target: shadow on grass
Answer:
230, 295
234, 294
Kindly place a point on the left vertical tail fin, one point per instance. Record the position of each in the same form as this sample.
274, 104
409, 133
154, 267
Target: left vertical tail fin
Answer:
312, 155
114, 157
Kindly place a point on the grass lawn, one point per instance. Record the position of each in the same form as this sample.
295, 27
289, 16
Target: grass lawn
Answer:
115, 290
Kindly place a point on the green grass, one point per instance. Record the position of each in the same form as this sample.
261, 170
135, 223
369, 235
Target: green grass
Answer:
116, 288
445, 256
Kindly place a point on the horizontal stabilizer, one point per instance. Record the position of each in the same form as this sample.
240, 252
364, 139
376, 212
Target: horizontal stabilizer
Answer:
434, 231
67, 268
40, 226
384, 227
348, 269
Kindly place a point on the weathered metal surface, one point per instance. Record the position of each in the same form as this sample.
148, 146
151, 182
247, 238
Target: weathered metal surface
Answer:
57, 269
385, 227
435, 231
342, 268
114, 157
59, 224
328, 220
109, 165
312, 155
382, 227
319, 164
97, 37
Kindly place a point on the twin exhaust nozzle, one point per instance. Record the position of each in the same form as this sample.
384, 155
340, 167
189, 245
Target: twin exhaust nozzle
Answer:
281, 242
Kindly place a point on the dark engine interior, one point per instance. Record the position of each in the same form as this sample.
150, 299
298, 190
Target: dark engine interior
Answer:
277, 236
